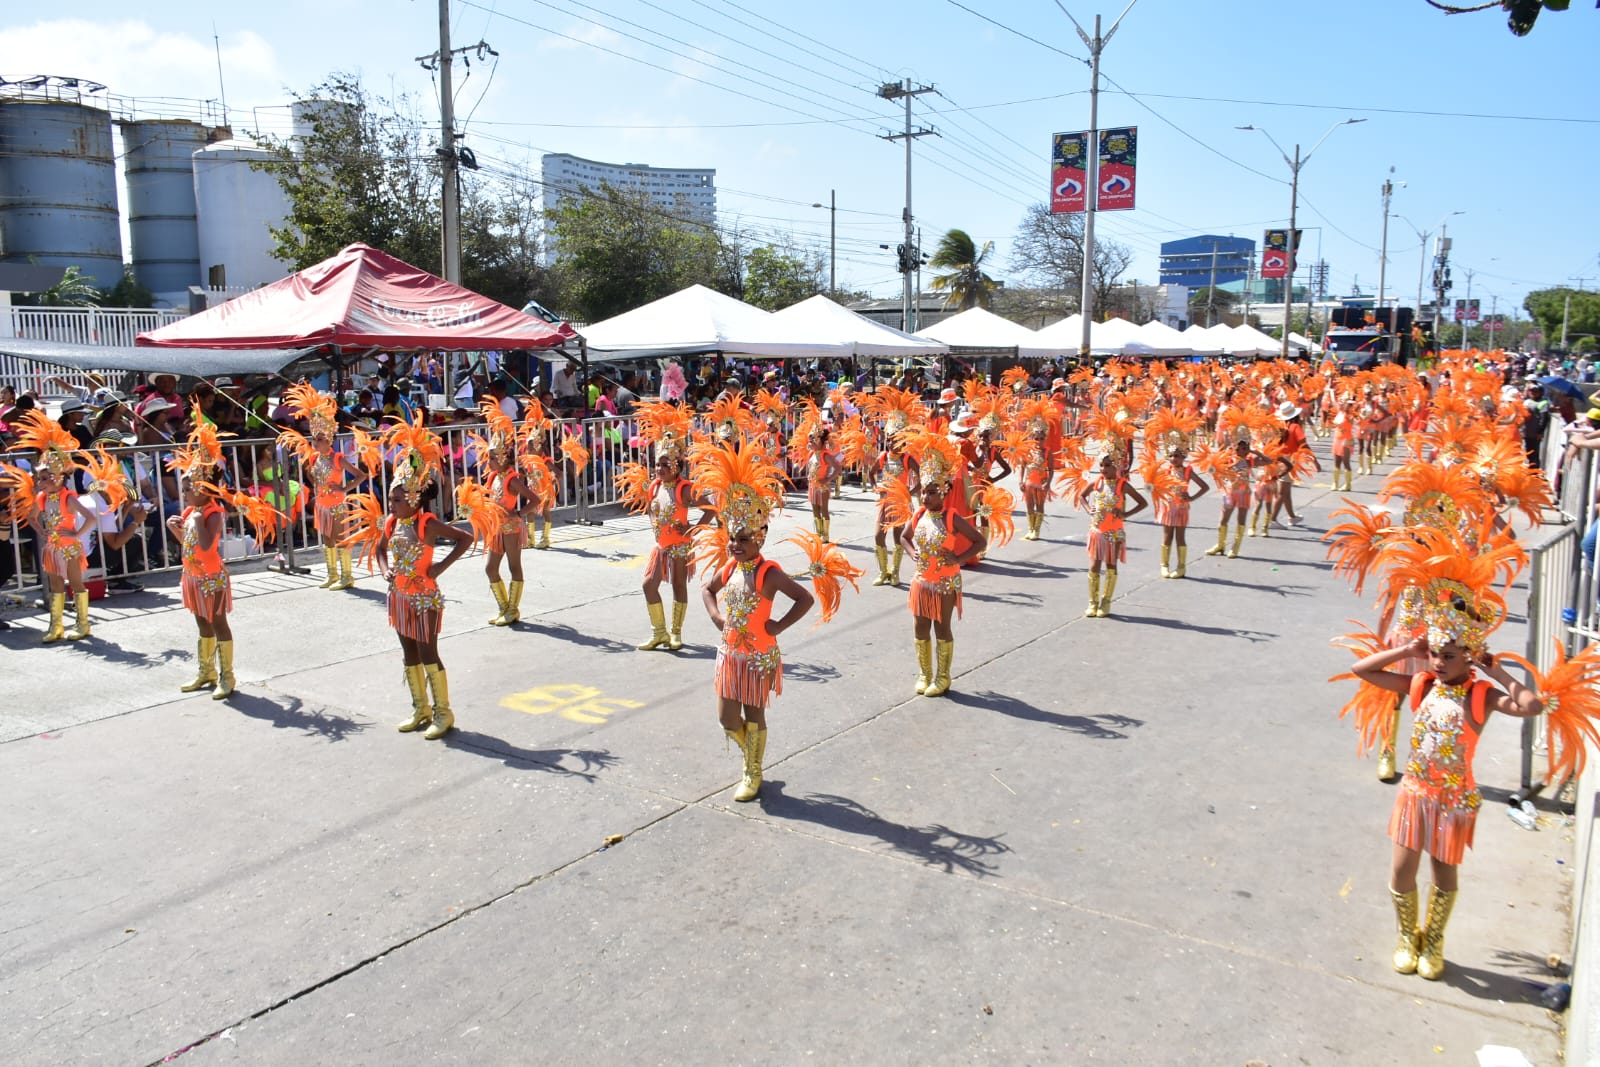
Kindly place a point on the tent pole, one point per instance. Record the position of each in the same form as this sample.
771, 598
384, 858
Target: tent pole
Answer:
583, 518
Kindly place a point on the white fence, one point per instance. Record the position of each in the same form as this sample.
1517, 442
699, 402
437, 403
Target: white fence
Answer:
82, 326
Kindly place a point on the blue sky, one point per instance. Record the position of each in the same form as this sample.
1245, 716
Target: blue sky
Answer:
779, 99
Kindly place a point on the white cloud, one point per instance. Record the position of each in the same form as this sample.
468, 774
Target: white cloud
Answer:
138, 62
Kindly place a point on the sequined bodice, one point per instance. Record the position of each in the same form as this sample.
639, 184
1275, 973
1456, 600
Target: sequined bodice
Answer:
930, 537
406, 548
1441, 750
746, 610
325, 472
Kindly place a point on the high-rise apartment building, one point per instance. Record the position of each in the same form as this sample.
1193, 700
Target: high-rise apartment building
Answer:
682, 192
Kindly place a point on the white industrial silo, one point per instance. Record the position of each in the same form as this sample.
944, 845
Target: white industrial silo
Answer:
58, 179
237, 205
158, 168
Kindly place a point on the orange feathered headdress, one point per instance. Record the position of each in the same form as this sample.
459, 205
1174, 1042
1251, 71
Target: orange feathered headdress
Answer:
201, 457
937, 456
666, 426
741, 482
39, 433
318, 408
418, 455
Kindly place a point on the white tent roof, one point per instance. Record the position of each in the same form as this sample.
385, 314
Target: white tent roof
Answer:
1303, 343
1164, 340
1066, 334
1201, 341
1221, 336
978, 328
700, 320
1249, 340
821, 317
1118, 337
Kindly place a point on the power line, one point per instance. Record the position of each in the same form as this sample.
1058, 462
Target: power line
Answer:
1019, 33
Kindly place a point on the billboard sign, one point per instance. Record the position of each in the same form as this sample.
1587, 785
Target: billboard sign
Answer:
1119, 162
1276, 260
1069, 175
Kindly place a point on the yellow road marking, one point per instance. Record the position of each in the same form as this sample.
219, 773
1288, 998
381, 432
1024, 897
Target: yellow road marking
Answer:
576, 703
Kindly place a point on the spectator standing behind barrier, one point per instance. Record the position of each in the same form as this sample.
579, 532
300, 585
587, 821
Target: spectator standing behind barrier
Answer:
152, 477
1535, 423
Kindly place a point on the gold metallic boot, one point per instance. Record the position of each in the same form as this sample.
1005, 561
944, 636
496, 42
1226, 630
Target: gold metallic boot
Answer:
658, 621
513, 613
894, 569
1405, 916
924, 665
421, 713
882, 552
443, 717
58, 607
225, 679
1430, 957
827, 526
1166, 558
1386, 767
498, 588
1105, 598
944, 652
1238, 536
1183, 562
1222, 539
755, 749
816, 524
1093, 610
80, 601
544, 536
330, 561
1254, 520
675, 639
208, 671
346, 578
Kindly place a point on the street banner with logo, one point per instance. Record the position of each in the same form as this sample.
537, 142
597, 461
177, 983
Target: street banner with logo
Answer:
1069, 175
1472, 310
1275, 253
1119, 161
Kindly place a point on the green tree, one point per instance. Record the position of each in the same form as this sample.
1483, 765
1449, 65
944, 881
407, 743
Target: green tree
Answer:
1208, 306
963, 279
1550, 306
775, 277
127, 293
73, 290
617, 250
1048, 252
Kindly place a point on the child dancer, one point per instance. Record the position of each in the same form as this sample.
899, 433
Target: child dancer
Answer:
46, 500
940, 541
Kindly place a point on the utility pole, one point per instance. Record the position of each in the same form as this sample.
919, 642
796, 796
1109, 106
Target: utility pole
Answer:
1249, 284
451, 175
910, 254
1211, 293
1494, 306
1383, 250
1096, 45
1466, 319
1566, 313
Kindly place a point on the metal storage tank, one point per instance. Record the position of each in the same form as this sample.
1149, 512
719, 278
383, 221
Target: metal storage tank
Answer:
158, 166
236, 204
58, 182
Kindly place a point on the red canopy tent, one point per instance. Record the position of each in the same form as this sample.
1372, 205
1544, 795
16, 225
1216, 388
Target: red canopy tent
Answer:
362, 300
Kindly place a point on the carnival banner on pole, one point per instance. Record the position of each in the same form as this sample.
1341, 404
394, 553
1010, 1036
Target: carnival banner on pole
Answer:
1275, 260
1119, 161
1069, 176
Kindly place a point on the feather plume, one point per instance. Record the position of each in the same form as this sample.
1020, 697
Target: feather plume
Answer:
262, 516
367, 451
22, 498
1357, 546
1372, 708
994, 504
633, 487
293, 441
363, 526
540, 479
107, 478
1570, 690
828, 569
1014, 378
710, 547
577, 455
897, 504
37, 432
770, 403
1165, 484
483, 513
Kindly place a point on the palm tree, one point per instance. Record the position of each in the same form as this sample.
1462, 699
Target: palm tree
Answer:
73, 290
962, 260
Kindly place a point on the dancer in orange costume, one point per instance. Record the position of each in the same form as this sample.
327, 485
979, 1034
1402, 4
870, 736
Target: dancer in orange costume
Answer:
822, 467
1230, 466
1028, 449
402, 545
667, 499
513, 496
1104, 494
895, 410
533, 458
327, 471
1344, 443
940, 541
45, 499
1168, 475
207, 591
741, 594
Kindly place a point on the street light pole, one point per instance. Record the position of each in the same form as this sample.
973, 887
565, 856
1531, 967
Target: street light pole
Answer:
1294, 201
833, 242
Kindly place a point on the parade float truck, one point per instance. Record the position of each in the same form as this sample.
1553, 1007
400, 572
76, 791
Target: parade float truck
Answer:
1361, 338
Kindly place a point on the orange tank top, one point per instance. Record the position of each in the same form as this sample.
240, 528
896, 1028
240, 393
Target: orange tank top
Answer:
672, 525
746, 610
410, 554
197, 560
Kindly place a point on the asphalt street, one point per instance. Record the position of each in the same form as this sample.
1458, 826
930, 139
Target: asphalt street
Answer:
1145, 839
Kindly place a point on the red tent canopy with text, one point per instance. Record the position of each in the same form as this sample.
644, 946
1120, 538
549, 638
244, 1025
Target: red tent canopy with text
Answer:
361, 299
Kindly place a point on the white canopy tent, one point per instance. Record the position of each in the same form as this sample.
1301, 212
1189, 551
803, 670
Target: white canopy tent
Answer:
1251, 341
979, 328
697, 321
1164, 340
1305, 344
1066, 334
819, 317
1118, 337
1221, 336
1200, 341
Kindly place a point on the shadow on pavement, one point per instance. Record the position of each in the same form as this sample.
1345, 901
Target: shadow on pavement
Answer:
1253, 636
1022, 568
1021, 600
1498, 986
562, 632
935, 845
1281, 590
809, 672
102, 649
290, 714
538, 759
1110, 727
377, 596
